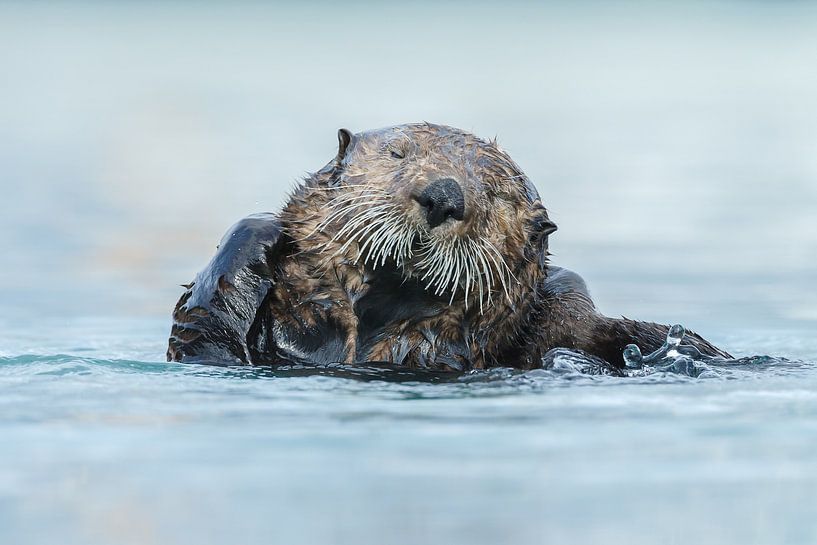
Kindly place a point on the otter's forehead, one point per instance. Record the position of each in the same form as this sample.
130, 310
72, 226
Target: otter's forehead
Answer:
442, 143
427, 135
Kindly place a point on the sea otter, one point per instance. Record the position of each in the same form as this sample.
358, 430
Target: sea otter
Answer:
418, 245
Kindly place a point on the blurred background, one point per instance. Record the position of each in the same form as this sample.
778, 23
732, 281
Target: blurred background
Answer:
674, 143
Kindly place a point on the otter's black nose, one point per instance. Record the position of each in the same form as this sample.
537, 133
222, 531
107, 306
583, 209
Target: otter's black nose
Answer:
442, 199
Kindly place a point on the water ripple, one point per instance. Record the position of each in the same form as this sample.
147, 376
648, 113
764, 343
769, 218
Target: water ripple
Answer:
567, 368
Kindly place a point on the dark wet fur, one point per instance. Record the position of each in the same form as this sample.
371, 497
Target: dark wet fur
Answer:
265, 300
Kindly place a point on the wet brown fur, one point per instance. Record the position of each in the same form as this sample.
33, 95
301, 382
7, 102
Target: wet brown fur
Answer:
317, 288
324, 278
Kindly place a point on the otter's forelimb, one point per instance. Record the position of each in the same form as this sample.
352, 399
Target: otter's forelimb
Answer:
572, 321
214, 317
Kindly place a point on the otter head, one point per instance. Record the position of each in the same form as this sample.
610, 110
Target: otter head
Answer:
446, 208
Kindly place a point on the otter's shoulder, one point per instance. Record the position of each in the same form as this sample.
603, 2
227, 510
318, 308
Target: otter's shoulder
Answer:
561, 281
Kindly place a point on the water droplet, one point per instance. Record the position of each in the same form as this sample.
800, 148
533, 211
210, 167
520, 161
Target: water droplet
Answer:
632, 356
675, 334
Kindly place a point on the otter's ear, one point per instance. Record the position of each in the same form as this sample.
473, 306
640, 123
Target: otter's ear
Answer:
345, 138
548, 227
541, 228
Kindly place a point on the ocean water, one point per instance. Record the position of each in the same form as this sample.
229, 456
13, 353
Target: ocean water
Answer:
675, 145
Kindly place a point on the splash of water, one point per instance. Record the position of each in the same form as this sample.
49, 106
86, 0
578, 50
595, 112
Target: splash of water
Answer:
675, 357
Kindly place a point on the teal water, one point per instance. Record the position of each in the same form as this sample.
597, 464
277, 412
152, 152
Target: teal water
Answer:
105, 443
674, 144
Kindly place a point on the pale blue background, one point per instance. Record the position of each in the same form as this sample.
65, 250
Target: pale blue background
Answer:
675, 144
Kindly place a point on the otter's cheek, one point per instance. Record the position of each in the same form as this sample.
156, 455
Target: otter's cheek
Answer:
414, 214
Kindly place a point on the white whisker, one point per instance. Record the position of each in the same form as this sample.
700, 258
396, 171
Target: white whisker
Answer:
368, 217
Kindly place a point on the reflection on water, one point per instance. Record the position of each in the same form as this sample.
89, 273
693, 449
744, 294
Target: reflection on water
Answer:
674, 145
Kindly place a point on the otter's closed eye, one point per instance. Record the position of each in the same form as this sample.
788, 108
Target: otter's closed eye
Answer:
397, 154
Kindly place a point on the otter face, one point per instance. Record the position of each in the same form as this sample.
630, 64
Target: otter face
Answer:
447, 208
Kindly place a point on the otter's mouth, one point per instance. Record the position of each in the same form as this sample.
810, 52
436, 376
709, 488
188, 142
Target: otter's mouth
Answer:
377, 230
